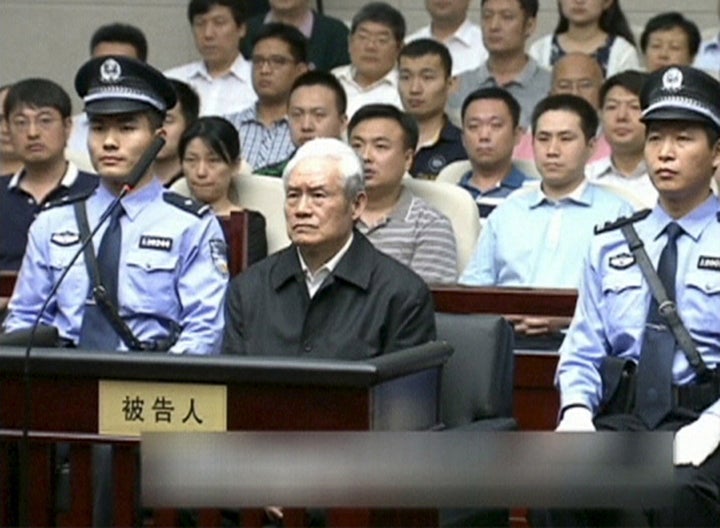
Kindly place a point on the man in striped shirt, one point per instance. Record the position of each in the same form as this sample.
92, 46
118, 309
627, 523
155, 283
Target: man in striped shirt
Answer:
395, 221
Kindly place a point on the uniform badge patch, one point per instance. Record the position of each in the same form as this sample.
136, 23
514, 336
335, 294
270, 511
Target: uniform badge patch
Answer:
65, 238
621, 261
709, 263
156, 242
218, 252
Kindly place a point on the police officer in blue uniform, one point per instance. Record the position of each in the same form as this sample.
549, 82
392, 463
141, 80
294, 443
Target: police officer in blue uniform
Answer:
167, 252
616, 316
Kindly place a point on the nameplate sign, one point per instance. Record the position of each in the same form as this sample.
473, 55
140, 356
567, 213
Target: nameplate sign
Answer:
129, 408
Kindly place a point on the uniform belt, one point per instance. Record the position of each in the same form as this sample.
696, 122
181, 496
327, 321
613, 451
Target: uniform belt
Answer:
697, 396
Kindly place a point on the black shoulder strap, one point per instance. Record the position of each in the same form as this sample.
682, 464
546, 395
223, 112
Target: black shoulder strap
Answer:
667, 307
107, 308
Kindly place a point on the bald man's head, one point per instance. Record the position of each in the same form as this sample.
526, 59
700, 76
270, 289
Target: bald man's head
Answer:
578, 74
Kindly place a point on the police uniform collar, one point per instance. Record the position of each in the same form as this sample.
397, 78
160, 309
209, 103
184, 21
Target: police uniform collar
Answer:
136, 201
694, 223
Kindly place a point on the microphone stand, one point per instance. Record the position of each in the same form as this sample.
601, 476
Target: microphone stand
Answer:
138, 171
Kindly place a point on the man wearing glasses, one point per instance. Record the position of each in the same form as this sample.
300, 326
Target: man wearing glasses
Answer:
38, 113
377, 32
279, 56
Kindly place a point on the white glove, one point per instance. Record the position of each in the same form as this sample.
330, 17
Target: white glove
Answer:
576, 420
697, 440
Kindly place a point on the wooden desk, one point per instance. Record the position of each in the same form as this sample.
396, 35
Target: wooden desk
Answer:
535, 400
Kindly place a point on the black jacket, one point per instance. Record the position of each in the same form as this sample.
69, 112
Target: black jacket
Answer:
370, 305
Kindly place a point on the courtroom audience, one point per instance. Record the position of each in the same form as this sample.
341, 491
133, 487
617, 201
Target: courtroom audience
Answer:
330, 294
279, 56
316, 108
625, 168
394, 220
451, 26
595, 27
669, 39
491, 129
327, 36
222, 76
376, 35
506, 27
38, 117
534, 237
210, 153
177, 120
425, 82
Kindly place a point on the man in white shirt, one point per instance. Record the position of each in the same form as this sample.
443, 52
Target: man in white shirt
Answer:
223, 77
376, 36
449, 24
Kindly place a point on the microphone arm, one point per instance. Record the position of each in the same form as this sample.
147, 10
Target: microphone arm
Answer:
138, 171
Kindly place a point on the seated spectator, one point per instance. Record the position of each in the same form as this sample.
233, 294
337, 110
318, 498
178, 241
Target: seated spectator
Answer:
708, 57
597, 28
491, 130
38, 115
316, 108
329, 294
177, 120
376, 36
279, 56
625, 133
425, 83
577, 74
669, 39
111, 39
222, 77
506, 27
210, 153
10, 162
327, 36
534, 237
394, 220
450, 25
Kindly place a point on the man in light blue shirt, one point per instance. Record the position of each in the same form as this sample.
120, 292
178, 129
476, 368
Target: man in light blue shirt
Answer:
612, 318
171, 268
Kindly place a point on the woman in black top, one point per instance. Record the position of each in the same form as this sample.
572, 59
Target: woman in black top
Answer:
210, 154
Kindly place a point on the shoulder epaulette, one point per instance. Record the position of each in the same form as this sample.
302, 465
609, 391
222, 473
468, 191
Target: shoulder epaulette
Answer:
186, 203
69, 199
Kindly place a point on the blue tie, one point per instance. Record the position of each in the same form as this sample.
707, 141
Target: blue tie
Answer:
96, 332
653, 400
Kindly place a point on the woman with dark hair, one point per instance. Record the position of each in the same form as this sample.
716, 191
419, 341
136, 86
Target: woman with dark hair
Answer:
210, 154
596, 27
669, 39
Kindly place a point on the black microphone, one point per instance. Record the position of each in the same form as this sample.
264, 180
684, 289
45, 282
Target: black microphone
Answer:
138, 171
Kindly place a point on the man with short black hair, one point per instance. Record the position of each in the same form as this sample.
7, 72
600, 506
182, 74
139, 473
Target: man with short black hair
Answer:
279, 56
177, 120
222, 78
38, 117
376, 36
425, 82
394, 220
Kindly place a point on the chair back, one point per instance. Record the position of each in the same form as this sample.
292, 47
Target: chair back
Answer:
477, 380
457, 204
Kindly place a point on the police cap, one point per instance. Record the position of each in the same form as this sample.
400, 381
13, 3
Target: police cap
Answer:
119, 85
681, 93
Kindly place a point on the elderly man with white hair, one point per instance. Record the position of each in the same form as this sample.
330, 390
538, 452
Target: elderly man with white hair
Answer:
329, 294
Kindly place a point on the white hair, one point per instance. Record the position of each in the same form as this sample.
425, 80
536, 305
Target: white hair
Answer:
348, 162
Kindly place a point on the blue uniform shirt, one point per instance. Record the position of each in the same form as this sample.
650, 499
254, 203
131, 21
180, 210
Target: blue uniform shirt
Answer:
172, 270
18, 209
614, 299
530, 240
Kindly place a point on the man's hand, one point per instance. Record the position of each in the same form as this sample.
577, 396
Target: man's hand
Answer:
576, 420
536, 326
697, 440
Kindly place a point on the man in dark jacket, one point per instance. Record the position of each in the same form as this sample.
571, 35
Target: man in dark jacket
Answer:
329, 294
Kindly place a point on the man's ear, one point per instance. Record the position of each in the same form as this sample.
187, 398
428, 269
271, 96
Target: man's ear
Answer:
358, 205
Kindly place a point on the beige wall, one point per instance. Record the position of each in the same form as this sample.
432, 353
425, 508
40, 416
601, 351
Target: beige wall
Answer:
50, 37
